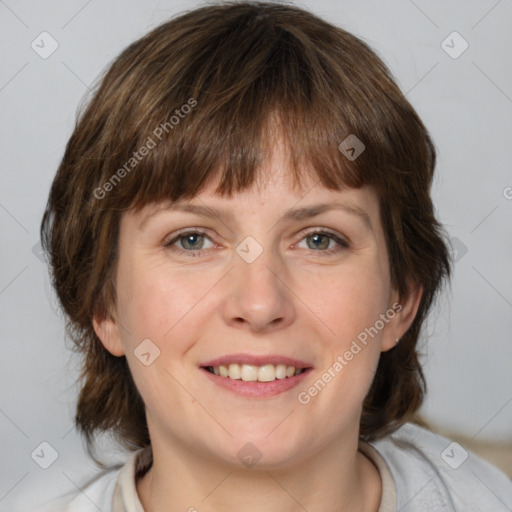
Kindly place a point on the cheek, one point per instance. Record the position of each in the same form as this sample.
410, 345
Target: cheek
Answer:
348, 312
349, 302
155, 302
160, 306
349, 305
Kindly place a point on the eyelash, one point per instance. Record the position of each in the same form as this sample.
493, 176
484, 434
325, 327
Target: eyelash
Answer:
342, 244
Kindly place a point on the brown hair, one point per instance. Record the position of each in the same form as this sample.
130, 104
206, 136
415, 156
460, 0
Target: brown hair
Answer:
237, 67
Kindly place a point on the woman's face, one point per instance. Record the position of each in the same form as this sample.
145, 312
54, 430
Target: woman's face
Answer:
224, 280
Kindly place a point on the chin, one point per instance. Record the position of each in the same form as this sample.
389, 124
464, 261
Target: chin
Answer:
265, 451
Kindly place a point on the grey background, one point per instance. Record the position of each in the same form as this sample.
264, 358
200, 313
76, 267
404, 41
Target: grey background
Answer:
465, 102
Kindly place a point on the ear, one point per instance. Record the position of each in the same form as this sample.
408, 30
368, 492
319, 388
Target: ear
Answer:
108, 332
405, 309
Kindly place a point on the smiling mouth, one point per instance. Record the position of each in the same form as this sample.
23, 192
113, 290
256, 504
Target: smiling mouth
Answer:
254, 373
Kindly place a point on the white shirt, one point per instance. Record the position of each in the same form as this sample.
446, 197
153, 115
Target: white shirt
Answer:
420, 472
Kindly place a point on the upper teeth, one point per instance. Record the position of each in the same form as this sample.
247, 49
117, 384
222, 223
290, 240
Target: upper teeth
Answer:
250, 372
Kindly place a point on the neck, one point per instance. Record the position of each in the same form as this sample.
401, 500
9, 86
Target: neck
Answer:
337, 478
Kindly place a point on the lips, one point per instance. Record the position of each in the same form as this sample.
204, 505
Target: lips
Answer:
251, 368
270, 386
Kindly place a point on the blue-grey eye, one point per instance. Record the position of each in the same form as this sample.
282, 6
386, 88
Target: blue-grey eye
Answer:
191, 241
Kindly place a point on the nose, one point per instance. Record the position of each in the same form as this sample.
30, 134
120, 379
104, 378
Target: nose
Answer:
258, 297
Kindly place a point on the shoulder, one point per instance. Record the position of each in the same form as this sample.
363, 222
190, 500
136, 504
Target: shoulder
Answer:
93, 496
110, 491
432, 472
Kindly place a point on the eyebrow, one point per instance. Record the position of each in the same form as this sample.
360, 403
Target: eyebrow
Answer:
295, 214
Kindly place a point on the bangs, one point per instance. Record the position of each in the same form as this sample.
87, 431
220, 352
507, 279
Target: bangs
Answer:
217, 113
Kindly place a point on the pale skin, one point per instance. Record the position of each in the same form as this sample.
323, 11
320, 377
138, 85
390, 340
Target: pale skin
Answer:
295, 299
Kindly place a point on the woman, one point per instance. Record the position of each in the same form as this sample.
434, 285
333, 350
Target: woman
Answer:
242, 236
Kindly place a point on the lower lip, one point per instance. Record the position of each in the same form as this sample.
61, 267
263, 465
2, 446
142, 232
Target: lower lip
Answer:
257, 389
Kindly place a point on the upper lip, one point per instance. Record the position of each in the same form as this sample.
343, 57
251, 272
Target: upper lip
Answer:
257, 360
